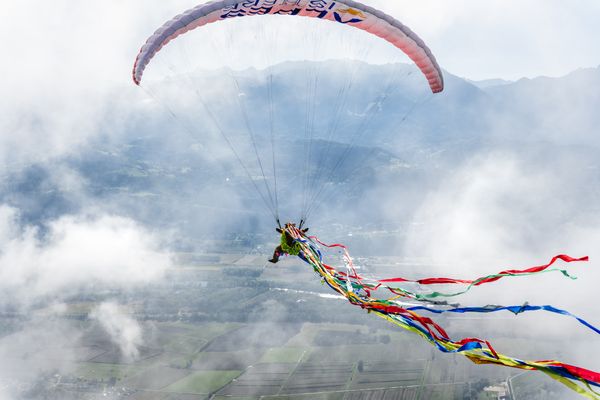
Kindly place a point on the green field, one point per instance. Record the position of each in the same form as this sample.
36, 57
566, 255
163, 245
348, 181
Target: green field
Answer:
101, 371
202, 382
283, 355
319, 361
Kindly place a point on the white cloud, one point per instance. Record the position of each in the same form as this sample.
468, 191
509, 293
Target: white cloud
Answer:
72, 254
43, 345
63, 62
479, 212
75, 253
500, 211
123, 330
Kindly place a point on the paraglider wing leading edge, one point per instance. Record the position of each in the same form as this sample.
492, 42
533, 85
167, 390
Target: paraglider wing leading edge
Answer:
346, 12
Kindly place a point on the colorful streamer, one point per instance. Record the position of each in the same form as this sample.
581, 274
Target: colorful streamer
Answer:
359, 291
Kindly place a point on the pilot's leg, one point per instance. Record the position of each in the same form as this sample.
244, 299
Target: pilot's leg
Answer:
276, 255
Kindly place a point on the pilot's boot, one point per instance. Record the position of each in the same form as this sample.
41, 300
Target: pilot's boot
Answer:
275, 258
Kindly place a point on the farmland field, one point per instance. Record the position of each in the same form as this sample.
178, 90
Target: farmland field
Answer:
274, 360
283, 355
106, 371
202, 382
260, 380
155, 378
194, 361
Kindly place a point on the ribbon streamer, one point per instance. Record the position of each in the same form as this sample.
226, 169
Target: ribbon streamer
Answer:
359, 291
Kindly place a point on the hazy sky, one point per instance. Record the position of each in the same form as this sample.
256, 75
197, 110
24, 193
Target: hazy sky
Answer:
505, 38
471, 38
63, 56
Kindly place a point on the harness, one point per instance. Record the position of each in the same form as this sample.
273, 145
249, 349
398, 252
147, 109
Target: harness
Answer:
292, 249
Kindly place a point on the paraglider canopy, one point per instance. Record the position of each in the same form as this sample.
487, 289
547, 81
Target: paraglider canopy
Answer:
296, 130
346, 12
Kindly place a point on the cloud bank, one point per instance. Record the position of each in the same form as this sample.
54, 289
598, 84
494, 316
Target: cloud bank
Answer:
75, 253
